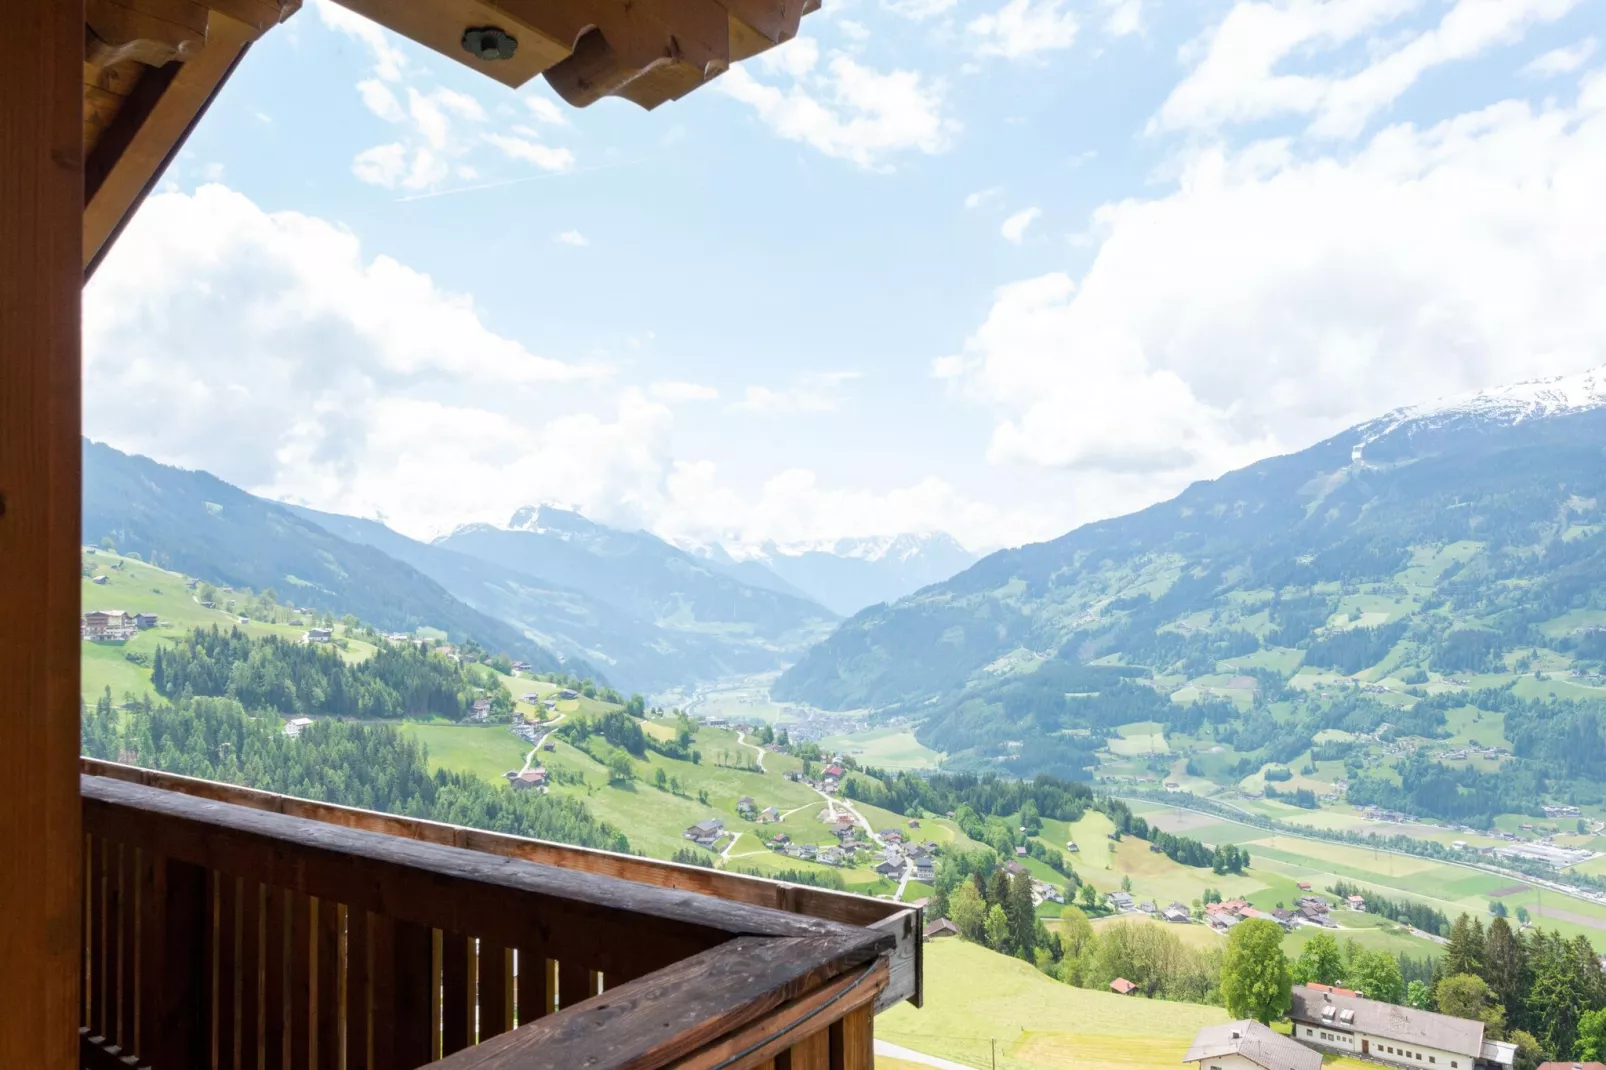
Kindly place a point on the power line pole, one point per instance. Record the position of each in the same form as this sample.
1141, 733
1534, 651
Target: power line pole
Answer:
995, 1053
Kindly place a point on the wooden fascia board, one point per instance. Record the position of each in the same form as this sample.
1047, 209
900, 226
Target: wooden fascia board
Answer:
153, 129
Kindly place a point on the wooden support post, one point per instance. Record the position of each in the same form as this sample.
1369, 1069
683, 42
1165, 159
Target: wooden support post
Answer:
853, 1041
41, 220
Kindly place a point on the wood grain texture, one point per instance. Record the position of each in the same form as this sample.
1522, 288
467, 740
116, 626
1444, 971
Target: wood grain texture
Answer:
150, 135
900, 919
601, 923
41, 201
853, 1041
681, 1010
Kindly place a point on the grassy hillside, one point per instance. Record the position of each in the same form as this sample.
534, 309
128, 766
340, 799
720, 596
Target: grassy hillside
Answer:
1438, 602
197, 524
135, 586
975, 997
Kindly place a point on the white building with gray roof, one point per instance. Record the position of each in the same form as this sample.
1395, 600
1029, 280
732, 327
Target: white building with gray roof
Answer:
1248, 1045
1338, 1020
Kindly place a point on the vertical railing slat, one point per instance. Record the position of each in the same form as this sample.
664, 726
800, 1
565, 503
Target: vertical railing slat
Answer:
327, 1004
574, 984
175, 971
359, 988
250, 972
300, 1042
456, 991
228, 967
101, 1021
274, 1020
852, 1041
415, 985
495, 990
125, 982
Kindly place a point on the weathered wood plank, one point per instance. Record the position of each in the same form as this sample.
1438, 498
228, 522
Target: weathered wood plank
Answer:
101, 1018
125, 873
359, 988
778, 1034
811, 1053
572, 987
602, 923
227, 985
495, 996
853, 1041
819, 903
149, 135
175, 1028
457, 1009
275, 1003
250, 972
383, 1017
680, 1010
414, 984
300, 1013
327, 1005
41, 204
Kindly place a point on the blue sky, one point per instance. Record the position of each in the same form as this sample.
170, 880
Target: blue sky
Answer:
992, 268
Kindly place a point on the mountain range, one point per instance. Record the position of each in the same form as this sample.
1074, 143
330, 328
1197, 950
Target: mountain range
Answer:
1436, 540
551, 586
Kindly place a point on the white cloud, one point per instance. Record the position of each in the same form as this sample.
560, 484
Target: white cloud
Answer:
1237, 79
389, 61
273, 351
545, 111
856, 31
1125, 17
1564, 60
382, 165
1024, 28
674, 390
378, 98
572, 237
844, 109
433, 143
816, 392
1014, 228
545, 157
919, 10
982, 196
1269, 300
796, 57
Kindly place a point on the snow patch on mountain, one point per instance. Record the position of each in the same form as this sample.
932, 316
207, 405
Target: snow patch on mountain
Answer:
1535, 399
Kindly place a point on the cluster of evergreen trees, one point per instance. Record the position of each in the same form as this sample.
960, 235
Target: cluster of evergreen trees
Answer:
367, 765
305, 678
1417, 915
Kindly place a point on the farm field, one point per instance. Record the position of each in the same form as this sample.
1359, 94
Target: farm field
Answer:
884, 748
975, 997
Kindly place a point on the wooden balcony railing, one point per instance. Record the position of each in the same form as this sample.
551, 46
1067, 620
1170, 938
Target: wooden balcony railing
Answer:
241, 930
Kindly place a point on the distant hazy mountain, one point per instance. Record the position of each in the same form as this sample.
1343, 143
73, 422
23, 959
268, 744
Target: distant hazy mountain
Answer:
736, 627
1435, 540
846, 575
851, 574
641, 611
195, 523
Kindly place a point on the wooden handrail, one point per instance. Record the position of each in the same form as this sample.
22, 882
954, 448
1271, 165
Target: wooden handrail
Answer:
219, 934
902, 920
567, 912
736, 1004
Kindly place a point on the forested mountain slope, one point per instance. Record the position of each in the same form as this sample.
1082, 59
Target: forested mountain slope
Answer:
1429, 544
515, 578
193, 522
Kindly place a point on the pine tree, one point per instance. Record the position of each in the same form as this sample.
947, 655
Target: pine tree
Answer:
1465, 951
1022, 917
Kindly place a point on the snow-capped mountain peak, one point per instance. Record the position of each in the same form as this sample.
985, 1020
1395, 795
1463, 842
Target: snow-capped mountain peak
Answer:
1512, 404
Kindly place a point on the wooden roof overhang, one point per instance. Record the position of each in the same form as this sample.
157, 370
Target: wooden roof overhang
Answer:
151, 67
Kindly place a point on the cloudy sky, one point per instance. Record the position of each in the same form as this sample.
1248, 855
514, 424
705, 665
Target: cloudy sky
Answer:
994, 267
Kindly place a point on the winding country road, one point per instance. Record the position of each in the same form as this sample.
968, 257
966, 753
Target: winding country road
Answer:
742, 739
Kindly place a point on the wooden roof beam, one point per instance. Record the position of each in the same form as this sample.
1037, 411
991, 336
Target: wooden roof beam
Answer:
146, 129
